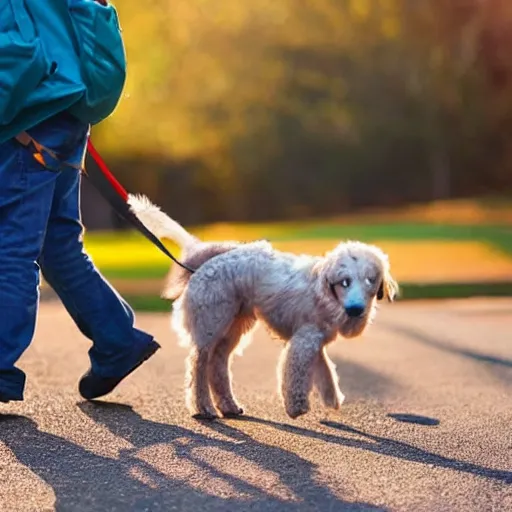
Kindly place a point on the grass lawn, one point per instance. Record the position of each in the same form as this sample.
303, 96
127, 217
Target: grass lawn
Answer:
449, 249
153, 303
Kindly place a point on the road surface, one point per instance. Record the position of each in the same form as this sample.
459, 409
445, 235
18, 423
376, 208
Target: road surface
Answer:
426, 426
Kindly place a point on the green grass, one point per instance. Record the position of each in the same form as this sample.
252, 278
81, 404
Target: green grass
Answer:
140, 262
497, 236
148, 303
137, 272
414, 291
408, 292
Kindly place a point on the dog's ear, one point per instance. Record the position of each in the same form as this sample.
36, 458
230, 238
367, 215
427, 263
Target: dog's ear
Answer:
388, 288
380, 293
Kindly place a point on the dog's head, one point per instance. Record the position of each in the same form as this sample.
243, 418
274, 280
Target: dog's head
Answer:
356, 275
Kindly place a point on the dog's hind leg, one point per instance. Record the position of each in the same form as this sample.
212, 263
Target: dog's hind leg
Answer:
199, 401
210, 306
219, 371
326, 381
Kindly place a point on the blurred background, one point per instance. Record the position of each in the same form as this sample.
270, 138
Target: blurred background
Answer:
310, 121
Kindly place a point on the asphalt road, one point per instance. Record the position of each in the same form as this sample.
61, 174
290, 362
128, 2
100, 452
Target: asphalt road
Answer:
426, 426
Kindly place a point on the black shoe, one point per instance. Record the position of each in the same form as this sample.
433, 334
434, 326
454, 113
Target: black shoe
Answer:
93, 386
5, 399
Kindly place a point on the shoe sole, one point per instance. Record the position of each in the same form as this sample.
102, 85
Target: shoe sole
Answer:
152, 348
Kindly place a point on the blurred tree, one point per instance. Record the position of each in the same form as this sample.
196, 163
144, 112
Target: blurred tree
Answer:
290, 108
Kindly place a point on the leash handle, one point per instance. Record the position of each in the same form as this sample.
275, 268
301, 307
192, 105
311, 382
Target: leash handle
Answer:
106, 183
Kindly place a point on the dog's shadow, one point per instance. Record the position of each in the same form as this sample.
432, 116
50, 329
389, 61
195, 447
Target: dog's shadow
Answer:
83, 480
295, 473
381, 445
141, 432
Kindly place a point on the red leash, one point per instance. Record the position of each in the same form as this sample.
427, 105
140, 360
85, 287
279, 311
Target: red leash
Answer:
105, 182
117, 196
106, 171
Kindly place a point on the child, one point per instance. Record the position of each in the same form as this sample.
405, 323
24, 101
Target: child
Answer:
44, 126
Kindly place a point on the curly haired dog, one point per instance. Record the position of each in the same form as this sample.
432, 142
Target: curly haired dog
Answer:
305, 301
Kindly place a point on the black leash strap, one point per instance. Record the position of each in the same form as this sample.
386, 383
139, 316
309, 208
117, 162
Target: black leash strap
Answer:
106, 183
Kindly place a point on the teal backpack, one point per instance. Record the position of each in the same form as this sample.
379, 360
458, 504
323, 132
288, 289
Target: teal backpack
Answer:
58, 55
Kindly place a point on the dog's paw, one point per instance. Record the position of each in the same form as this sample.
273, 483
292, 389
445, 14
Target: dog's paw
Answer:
228, 407
297, 408
232, 413
337, 402
333, 398
207, 416
204, 413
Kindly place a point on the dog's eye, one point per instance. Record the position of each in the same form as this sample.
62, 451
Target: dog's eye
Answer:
370, 281
345, 283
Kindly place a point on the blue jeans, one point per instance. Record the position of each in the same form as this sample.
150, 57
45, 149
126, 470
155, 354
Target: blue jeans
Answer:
40, 229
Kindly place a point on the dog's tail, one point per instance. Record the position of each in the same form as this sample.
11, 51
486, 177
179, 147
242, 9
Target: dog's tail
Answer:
159, 222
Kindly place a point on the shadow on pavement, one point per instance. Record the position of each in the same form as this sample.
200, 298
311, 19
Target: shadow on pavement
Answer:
447, 347
124, 422
401, 450
500, 367
385, 446
83, 480
360, 382
414, 418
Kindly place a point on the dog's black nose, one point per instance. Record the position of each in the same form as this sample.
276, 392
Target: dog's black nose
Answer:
354, 311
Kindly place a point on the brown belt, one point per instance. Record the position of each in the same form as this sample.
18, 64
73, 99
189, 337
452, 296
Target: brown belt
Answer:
38, 151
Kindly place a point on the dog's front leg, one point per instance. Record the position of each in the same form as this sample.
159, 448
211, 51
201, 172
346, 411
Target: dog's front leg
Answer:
296, 369
326, 380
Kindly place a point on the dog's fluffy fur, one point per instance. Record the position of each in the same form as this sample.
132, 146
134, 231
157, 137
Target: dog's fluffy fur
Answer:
305, 301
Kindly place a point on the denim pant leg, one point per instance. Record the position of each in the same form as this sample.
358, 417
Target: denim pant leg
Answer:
26, 192
97, 309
